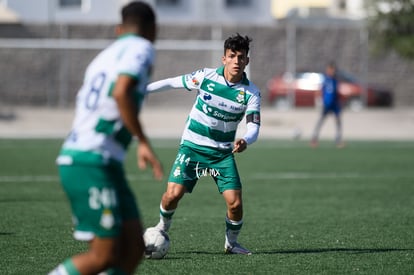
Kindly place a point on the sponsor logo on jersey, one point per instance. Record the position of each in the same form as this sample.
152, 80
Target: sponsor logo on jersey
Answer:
195, 81
207, 96
217, 114
222, 104
211, 86
203, 172
206, 109
236, 108
223, 116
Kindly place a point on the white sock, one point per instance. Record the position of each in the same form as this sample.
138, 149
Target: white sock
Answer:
232, 230
165, 219
59, 270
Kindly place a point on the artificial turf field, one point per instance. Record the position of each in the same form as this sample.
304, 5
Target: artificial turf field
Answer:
307, 211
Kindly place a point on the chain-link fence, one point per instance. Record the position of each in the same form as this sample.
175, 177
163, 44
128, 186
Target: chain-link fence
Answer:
48, 70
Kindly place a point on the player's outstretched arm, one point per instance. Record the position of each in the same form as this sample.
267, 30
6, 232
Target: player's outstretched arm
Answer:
123, 95
165, 84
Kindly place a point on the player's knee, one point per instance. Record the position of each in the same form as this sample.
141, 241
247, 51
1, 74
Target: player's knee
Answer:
233, 201
174, 193
235, 207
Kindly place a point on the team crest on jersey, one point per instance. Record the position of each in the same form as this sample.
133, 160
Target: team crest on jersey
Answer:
240, 97
107, 219
177, 171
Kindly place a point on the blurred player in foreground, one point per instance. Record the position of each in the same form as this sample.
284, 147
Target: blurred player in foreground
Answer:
225, 96
331, 104
90, 162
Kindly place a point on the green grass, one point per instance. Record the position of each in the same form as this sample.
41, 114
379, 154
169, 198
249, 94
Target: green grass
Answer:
307, 211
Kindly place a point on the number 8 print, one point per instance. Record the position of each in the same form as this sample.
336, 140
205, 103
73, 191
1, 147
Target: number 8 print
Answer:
91, 102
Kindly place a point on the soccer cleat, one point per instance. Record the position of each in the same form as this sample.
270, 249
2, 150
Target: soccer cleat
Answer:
164, 226
236, 249
314, 143
340, 145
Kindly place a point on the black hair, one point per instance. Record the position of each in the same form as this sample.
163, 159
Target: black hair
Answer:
237, 43
331, 64
138, 13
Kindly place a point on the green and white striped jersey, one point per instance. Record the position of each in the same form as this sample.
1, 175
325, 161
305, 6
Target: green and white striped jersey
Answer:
219, 108
98, 134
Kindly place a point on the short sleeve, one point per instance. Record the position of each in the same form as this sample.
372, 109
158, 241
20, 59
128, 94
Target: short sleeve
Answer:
136, 60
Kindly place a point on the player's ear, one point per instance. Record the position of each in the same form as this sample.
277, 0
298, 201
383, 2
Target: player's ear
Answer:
118, 30
223, 60
247, 60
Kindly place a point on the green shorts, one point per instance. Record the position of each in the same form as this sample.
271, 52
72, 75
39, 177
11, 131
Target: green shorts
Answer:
100, 199
193, 162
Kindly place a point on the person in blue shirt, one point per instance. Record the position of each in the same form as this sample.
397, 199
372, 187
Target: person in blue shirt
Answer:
331, 104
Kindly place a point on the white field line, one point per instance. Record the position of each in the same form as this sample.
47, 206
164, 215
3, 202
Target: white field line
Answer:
50, 178
253, 176
43, 178
306, 176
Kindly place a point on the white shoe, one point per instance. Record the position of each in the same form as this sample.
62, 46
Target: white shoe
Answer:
163, 226
236, 248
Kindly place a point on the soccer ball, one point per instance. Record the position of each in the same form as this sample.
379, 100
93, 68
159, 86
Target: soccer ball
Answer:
157, 243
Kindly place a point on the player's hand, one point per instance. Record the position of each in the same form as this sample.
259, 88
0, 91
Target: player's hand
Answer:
145, 156
239, 146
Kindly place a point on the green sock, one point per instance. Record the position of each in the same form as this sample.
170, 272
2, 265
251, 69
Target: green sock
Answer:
115, 271
70, 267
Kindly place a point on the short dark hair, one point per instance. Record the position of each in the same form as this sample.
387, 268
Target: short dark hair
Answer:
237, 43
331, 64
138, 13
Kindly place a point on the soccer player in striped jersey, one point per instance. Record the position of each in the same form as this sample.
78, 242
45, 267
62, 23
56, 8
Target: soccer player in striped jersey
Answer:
90, 162
225, 97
